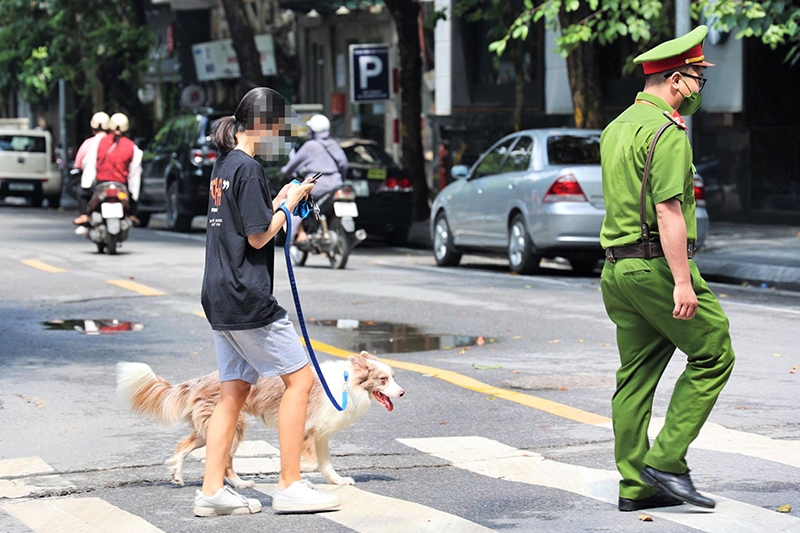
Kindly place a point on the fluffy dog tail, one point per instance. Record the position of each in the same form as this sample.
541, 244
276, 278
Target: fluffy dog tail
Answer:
149, 395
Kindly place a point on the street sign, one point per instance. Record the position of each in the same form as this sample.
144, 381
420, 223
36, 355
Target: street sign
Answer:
369, 72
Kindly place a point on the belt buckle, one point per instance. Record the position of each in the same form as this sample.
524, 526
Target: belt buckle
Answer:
610, 256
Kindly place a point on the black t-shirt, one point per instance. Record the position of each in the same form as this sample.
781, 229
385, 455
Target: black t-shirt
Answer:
237, 284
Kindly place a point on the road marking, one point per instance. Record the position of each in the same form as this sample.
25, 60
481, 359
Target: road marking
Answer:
77, 515
20, 486
144, 290
371, 513
490, 458
718, 438
466, 382
41, 265
252, 457
713, 437
201, 314
23, 466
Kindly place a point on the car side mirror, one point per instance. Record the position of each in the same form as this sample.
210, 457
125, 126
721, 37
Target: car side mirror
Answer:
460, 172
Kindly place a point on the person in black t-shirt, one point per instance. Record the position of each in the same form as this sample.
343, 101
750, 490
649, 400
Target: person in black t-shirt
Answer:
252, 335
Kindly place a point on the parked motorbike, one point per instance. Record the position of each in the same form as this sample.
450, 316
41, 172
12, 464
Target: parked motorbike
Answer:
334, 232
109, 214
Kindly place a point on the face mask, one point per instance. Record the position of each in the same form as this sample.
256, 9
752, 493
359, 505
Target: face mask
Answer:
691, 103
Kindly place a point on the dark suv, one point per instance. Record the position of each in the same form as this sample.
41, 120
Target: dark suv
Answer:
176, 170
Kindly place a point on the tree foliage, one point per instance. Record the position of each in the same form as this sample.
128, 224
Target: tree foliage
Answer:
775, 22
82, 41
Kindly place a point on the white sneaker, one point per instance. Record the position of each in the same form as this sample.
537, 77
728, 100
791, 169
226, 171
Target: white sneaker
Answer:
303, 497
81, 230
225, 501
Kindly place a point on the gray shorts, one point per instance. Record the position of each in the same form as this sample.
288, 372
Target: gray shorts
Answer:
273, 350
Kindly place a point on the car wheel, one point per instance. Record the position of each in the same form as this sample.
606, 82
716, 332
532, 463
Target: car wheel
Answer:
175, 220
522, 256
584, 266
444, 251
397, 237
54, 201
36, 201
144, 220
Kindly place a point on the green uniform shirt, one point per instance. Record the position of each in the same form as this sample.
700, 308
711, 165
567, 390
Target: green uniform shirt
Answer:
623, 149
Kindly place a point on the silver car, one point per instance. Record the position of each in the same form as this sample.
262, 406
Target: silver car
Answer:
533, 194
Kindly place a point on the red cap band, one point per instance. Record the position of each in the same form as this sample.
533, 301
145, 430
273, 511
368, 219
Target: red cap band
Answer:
691, 56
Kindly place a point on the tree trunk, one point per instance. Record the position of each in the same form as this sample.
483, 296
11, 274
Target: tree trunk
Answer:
244, 43
515, 49
405, 15
584, 77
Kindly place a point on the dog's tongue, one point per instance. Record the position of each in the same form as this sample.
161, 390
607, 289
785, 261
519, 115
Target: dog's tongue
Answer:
384, 400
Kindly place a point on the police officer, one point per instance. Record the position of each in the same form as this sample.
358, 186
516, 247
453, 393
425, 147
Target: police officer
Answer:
652, 289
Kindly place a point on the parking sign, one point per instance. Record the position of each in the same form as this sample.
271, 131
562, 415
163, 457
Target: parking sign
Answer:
369, 72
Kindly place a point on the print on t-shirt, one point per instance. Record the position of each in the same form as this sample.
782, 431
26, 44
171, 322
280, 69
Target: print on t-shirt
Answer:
215, 190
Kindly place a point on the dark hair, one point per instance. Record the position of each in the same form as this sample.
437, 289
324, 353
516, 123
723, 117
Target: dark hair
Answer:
660, 78
261, 103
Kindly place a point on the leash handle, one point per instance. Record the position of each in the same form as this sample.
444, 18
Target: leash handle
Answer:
286, 246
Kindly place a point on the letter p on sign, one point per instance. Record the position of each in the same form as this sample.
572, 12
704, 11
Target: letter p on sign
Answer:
369, 67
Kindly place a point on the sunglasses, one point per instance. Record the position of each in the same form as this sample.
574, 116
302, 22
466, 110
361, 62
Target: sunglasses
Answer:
701, 82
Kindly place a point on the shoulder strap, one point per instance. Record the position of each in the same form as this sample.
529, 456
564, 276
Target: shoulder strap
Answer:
335, 161
643, 196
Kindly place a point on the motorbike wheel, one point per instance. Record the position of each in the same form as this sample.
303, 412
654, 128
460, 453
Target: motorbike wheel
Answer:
101, 247
341, 252
112, 244
299, 257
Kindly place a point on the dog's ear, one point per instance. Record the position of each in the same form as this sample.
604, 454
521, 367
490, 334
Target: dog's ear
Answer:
358, 362
367, 355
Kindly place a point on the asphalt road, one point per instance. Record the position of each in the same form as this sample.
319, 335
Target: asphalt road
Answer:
509, 435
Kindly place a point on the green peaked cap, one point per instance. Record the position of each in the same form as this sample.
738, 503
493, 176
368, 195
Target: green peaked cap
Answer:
682, 51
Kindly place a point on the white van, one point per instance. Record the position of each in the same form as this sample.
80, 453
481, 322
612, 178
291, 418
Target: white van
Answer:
27, 163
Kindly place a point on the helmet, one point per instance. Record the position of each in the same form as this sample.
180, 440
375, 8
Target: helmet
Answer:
118, 122
319, 124
99, 121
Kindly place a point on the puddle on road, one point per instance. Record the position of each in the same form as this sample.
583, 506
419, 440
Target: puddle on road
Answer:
93, 326
390, 337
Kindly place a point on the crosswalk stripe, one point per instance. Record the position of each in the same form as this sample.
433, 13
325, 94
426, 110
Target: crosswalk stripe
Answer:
144, 290
366, 512
21, 485
23, 466
252, 457
41, 265
77, 515
717, 438
494, 459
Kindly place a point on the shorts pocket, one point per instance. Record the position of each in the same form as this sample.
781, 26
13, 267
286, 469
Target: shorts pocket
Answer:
635, 268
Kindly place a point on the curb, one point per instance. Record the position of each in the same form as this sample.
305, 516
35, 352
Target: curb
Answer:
739, 270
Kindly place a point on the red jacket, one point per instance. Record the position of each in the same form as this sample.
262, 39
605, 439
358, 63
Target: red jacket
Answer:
119, 160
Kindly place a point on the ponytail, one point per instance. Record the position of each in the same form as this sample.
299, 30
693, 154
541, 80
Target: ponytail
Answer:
225, 133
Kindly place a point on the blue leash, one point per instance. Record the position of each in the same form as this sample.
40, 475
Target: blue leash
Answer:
302, 210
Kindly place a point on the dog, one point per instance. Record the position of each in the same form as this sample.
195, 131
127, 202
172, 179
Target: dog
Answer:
193, 401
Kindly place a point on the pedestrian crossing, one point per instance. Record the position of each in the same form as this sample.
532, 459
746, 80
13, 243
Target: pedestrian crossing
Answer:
366, 511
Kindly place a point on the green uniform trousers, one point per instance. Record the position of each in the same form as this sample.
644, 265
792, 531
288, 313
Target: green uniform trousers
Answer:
638, 297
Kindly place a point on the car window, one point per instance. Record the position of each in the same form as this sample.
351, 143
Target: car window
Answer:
573, 150
23, 143
493, 161
519, 158
368, 154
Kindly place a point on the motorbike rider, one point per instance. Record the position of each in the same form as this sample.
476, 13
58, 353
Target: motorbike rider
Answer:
99, 125
320, 154
118, 160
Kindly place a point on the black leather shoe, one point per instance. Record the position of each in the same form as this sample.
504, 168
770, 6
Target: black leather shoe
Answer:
662, 499
676, 485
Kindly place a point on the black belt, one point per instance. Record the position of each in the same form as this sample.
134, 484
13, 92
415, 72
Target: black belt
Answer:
642, 251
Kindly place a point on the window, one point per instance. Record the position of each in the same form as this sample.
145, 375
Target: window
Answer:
573, 150
368, 154
519, 158
23, 143
493, 161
